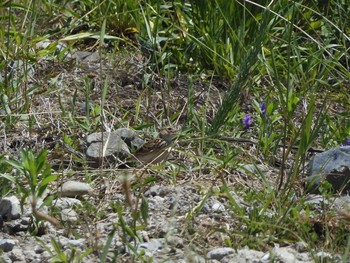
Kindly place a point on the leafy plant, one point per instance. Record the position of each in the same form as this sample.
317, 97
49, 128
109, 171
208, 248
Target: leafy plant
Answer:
60, 256
32, 177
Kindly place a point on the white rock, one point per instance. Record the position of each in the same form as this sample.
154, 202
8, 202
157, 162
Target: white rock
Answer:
218, 207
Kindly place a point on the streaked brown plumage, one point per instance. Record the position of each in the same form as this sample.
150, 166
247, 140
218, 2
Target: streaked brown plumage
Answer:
157, 150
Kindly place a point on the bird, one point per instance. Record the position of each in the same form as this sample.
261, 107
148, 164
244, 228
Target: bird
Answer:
156, 150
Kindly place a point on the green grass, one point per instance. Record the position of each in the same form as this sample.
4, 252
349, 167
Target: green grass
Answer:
230, 57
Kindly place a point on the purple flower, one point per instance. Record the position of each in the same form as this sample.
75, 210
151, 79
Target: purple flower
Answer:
347, 143
263, 109
247, 121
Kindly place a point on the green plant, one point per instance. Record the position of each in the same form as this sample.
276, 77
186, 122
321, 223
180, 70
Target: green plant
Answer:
32, 176
60, 256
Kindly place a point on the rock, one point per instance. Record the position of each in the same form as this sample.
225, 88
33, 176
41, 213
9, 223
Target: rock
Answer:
69, 215
220, 253
217, 207
7, 245
86, 56
16, 69
125, 134
175, 241
73, 188
137, 143
38, 249
244, 255
66, 202
77, 242
194, 257
150, 248
17, 255
284, 254
30, 254
16, 226
341, 202
105, 146
152, 245
300, 246
10, 207
111, 146
333, 166
59, 47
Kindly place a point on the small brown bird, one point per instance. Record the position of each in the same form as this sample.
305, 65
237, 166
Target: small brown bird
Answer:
157, 150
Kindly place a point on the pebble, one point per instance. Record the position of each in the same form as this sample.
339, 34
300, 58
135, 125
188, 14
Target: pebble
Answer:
66, 202
17, 255
217, 207
220, 253
69, 215
74, 188
284, 254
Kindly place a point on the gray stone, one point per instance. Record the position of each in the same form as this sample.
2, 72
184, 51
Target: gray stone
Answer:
69, 215
175, 241
7, 245
341, 202
284, 254
17, 255
46, 255
152, 245
220, 253
73, 188
16, 226
101, 136
194, 257
63, 241
300, 246
29, 254
58, 49
106, 145
137, 142
304, 257
66, 202
76, 242
86, 56
125, 134
17, 69
333, 166
10, 207
38, 249
245, 255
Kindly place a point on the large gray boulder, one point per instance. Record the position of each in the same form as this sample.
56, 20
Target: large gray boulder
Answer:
333, 166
